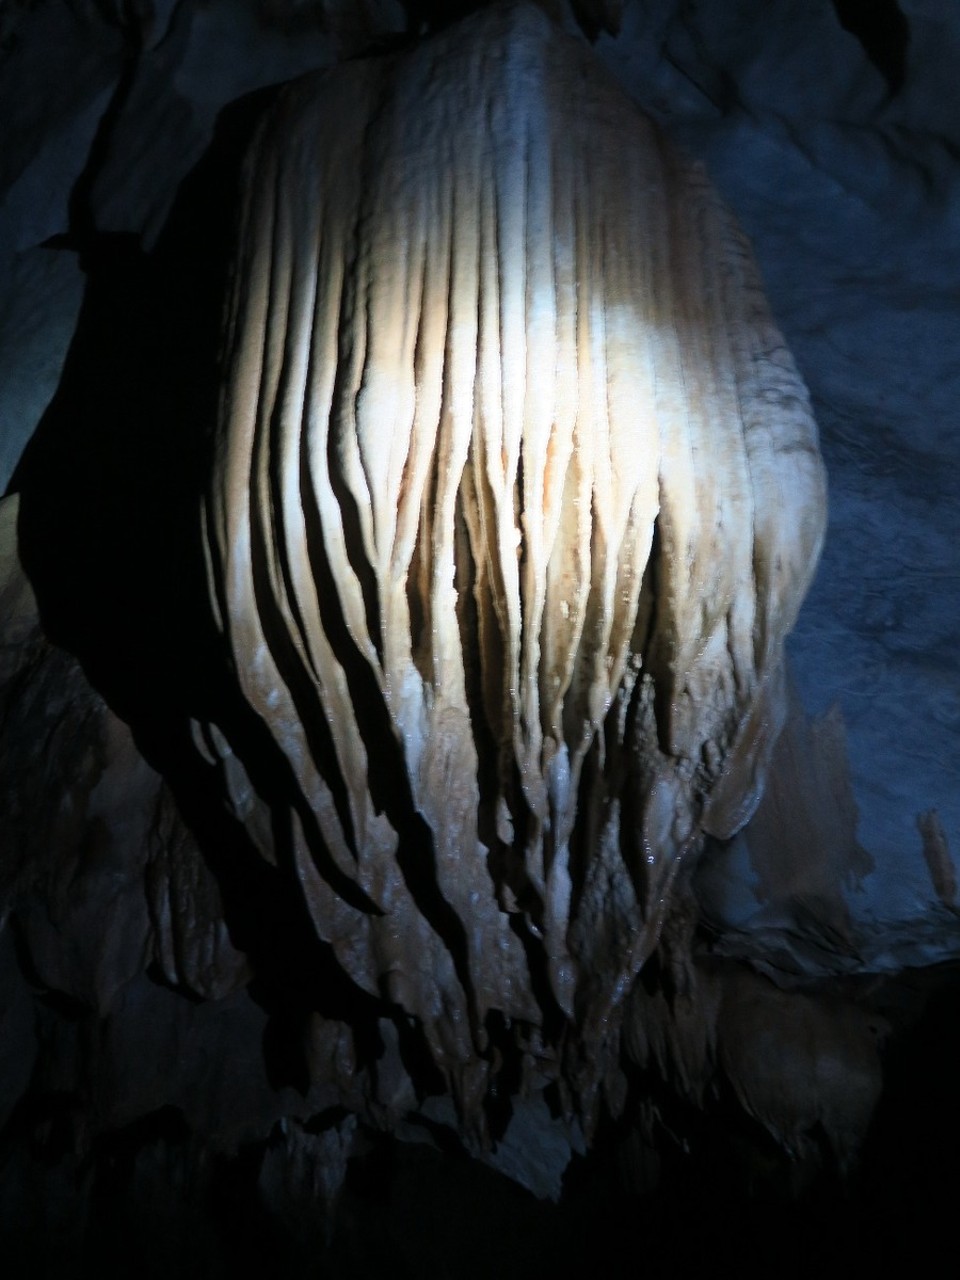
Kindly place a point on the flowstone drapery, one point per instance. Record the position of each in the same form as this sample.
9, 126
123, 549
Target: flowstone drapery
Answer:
517, 494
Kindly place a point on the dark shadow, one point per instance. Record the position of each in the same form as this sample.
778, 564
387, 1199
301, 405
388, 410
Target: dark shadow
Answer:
884, 32
111, 491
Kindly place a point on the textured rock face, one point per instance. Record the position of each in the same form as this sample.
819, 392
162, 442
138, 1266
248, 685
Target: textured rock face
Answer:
189, 1078
517, 495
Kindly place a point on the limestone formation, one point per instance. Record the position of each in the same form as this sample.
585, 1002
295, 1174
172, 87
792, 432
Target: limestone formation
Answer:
517, 494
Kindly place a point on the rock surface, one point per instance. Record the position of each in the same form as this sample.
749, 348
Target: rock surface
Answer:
174, 1093
517, 492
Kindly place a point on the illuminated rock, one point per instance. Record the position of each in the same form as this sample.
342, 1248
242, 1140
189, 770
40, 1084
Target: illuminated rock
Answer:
517, 495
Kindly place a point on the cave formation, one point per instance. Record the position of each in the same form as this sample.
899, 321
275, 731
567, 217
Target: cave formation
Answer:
199, 1064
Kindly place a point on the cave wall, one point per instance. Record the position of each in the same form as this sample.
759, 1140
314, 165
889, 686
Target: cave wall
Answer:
828, 129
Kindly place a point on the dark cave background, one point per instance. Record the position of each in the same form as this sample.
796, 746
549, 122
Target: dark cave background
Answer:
158, 1126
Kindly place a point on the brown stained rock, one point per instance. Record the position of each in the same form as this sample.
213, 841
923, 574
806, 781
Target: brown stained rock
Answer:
193, 945
802, 1066
301, 1176
936, 854
802, 841
805, 1065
